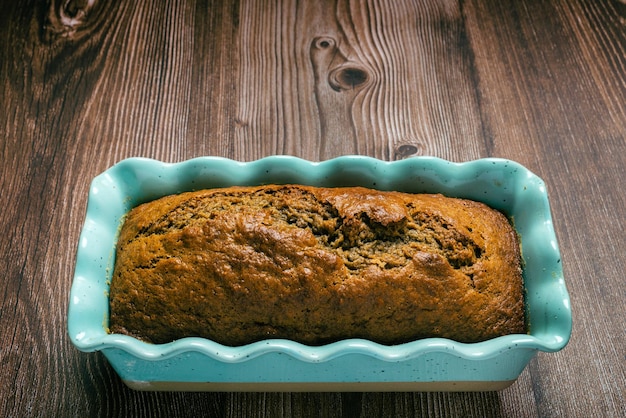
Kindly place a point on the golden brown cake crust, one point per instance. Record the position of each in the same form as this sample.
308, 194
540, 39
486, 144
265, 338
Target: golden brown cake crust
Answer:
315, 265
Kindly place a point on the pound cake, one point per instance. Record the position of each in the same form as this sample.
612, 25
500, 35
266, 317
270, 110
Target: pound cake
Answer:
315, 265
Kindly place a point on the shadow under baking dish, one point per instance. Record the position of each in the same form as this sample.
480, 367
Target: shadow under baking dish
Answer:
431, 364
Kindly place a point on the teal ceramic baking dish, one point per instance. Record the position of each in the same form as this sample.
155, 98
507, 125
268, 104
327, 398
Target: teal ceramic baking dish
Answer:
196, 364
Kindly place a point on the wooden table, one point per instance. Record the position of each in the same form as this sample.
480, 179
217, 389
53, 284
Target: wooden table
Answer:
85, 84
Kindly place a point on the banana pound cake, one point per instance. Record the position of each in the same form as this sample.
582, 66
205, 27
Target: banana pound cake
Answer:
315, 265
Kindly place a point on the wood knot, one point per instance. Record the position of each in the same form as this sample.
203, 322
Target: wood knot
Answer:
324, 42
406, 150
73, 13
347, 77
68, 16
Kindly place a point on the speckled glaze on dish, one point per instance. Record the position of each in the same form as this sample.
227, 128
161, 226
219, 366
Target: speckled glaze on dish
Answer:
196, 364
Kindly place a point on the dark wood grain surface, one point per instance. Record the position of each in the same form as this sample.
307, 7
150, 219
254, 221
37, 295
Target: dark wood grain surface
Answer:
84, 84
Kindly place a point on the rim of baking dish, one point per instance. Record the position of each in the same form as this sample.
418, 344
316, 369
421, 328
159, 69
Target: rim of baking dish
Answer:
503, 184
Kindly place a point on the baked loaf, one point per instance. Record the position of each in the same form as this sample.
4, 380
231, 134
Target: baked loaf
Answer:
315, 265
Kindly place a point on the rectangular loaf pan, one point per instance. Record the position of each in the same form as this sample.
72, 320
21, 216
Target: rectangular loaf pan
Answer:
432, 364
